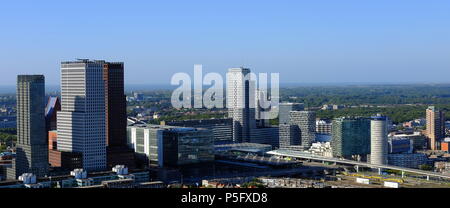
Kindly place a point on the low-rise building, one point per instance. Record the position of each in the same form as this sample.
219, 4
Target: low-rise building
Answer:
445, 145
80, 178
323, 127
418, 139
265, 135
408, 160
321, 149
400, 145
243, 147
442, 167
170, 145
222, 129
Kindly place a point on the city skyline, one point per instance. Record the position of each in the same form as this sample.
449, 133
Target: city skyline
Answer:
346, 41
90, 129
187, 95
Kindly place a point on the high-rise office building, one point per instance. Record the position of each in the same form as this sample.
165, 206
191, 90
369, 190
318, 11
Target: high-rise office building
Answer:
31, 148
289, 136
435, 127
286, 108
238, 103
350, 137
379, 140
306, 122
118, 152
81, 121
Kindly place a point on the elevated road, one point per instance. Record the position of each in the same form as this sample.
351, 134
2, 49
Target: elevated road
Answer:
307, 156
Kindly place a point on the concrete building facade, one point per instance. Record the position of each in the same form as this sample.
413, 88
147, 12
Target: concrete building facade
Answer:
81, 121
306, 123
286, 108
378, 140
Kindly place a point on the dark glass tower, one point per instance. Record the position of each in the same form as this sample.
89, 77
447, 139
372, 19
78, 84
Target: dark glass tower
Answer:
31, 147
351, 136
118, 152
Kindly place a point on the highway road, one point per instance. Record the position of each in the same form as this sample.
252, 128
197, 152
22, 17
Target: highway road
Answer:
307, 156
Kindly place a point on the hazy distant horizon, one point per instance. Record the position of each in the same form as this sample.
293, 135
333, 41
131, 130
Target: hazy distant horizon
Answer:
149, 87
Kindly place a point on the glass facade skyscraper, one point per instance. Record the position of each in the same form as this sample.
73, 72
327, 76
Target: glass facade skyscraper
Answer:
32, 147
351, 136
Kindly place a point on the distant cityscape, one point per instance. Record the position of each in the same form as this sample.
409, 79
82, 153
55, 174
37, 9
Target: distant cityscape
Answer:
94, 134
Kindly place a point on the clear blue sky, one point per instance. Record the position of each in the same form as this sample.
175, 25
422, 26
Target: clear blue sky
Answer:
305, 41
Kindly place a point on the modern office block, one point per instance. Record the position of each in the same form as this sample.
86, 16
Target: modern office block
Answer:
172, 146
31, 147
400, 145
407, 160
289, 135
81, 121
265, 135
222, 128
286, 108
306, 122
418, 140
351, 136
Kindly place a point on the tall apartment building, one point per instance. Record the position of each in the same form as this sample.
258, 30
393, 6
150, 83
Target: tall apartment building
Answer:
238, 103
81, 121
285, 108
435, 127
306, 122
379, 140
31, 148
118, 152
350, 137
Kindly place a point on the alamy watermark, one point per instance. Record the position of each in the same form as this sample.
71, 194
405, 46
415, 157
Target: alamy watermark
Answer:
244, 89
